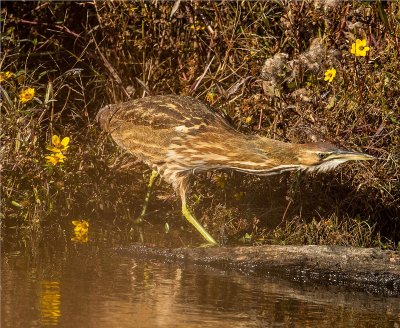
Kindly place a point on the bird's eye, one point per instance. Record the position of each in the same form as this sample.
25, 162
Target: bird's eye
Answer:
322, 155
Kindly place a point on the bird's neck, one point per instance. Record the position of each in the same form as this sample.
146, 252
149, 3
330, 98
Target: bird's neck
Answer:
260, 155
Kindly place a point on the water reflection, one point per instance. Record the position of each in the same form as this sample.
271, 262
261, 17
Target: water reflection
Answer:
90, 285
49, 303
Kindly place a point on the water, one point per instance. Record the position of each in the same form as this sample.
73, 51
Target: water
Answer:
69, 284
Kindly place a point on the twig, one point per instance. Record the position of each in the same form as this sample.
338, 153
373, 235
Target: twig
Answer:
260, 120
60, 27
175, 8
202, 76
112, 70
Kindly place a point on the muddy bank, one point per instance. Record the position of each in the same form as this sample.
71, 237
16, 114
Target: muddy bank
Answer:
368, 269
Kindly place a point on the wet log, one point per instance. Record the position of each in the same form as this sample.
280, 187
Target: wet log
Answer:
369, 269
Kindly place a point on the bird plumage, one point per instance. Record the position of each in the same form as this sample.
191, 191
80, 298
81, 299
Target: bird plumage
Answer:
179, 136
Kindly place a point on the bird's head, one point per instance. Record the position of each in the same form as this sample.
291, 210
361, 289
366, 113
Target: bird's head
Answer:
321, 156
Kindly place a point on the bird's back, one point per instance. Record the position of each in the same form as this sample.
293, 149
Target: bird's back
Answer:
146, 127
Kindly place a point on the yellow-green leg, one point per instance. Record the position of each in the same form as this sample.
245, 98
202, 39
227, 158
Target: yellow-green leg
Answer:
196, 224
153, 177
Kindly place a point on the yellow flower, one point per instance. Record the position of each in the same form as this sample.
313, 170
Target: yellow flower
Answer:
197, 27
58, 144
57, 148
55, 158
81, 231
26, 94
210, 96
359, 48
5, 75
81, 226
330, 75
248, 120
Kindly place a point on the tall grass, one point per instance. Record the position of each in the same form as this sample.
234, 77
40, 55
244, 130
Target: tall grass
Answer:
79, 56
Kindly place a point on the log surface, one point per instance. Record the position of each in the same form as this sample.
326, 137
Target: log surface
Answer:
368, 269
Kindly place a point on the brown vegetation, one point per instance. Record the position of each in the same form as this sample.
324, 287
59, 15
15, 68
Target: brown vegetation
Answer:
262, 63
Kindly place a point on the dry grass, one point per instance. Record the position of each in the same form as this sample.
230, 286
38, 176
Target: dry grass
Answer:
215, 51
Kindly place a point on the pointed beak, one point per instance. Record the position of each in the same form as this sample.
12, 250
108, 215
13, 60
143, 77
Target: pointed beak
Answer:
349, 155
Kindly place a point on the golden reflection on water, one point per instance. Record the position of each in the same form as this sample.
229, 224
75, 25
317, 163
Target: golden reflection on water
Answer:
81, 231
102, 287
49, 303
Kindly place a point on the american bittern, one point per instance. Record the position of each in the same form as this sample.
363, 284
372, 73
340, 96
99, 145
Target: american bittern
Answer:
179, 136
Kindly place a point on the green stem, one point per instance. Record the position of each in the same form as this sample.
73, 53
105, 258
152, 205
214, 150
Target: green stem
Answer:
153, 177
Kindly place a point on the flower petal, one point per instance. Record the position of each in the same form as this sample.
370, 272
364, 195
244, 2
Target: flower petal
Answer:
353, 49
26, 94
5, 75
55, 140
65, 142
53, 149
51, 159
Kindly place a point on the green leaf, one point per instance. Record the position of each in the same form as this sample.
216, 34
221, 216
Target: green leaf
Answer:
16, 204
